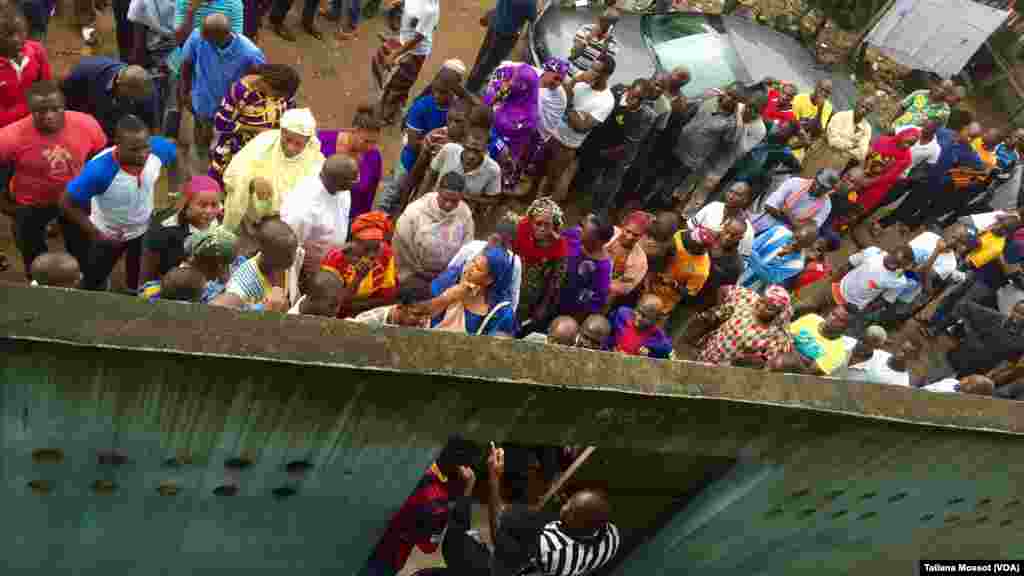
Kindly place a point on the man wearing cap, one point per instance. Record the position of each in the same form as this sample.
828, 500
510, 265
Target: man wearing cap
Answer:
798, 200
269, 167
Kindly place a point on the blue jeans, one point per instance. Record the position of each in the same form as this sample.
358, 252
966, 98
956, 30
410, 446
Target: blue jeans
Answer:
354, 8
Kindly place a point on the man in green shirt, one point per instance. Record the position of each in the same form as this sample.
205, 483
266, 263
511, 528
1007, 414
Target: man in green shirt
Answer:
922, 106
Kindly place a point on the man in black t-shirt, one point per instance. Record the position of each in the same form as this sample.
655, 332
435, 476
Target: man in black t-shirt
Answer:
611, 148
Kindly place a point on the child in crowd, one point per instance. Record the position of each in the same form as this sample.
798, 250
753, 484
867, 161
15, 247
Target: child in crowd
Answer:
56, 269
321, 297
183, 284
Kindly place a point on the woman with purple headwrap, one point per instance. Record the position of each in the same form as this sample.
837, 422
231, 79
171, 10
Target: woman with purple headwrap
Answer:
527, 104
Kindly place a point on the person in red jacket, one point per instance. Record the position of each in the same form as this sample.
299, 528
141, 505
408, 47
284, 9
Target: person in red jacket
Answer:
422, 518
22, 63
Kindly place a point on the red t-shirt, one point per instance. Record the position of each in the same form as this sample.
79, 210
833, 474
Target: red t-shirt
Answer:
45, 163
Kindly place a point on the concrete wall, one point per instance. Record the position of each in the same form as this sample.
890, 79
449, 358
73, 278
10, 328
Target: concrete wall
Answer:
915, 473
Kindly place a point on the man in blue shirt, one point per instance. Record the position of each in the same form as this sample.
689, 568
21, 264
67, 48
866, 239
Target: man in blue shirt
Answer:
117, 185
213, 59
928, 204
109, 90
503, 24
427, 113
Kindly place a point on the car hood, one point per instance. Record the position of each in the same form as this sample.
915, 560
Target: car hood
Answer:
765, 52
553, 33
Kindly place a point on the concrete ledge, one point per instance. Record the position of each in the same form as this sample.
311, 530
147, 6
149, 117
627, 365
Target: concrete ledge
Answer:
660, 405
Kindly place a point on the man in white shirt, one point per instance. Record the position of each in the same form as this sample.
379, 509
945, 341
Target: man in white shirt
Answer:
416, 35
317, 210
589, 102
738, 198
886, 368
868, 274
935, 257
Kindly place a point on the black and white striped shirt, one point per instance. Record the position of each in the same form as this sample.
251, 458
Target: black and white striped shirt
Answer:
563, 555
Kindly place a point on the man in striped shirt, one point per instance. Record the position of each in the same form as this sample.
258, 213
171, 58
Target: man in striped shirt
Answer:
260, 279
581, 540
528, 543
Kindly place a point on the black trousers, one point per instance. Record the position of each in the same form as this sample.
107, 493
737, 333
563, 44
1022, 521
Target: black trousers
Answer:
911, 211
124, 28
103, 256
672, 174
279, 9
463, 554
970, 290
30, 224
600, 178
493, 51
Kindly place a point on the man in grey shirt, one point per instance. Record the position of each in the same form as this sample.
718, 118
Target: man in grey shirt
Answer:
713, 127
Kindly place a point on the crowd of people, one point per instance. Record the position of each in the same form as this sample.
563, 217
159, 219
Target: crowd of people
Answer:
707, 229
702, 222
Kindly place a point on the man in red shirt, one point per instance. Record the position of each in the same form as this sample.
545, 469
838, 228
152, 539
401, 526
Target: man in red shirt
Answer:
22, 63
45, 151
422, 519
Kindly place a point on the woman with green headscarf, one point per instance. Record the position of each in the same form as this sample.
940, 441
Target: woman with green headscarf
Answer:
212, 252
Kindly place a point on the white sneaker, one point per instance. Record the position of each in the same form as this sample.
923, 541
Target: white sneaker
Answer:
89, 35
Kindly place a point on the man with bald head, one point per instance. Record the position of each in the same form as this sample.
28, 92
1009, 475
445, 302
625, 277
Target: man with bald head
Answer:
580, 540
57, 269
212, 59
109, 90
562, 331
317, 210
636, 331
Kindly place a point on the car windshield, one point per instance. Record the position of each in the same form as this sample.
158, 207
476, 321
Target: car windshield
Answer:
689, 40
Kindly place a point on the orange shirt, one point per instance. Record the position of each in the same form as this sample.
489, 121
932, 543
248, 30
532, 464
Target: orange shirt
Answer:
686, 272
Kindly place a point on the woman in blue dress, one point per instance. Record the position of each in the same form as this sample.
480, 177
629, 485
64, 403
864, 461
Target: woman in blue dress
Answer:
475, 298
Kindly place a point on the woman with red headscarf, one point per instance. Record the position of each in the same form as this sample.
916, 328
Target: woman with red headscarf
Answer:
164, 243
543, 250
365, 265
